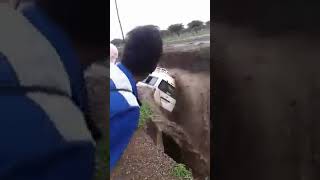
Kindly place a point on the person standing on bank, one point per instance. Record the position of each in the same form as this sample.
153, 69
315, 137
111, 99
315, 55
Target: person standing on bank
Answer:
141, 54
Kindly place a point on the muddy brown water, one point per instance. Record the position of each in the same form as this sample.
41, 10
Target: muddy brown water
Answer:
190, 121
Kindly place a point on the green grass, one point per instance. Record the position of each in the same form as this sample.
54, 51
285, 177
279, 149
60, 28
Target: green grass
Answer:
145, 114
181, 172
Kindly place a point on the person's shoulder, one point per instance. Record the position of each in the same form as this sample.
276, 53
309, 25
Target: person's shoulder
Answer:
120, 101
120, 77
132, 111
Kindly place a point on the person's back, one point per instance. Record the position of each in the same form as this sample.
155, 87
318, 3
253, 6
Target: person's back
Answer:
124, 109
43, 130
140, 57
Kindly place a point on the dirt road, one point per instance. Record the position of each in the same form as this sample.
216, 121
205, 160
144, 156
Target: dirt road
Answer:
143, 160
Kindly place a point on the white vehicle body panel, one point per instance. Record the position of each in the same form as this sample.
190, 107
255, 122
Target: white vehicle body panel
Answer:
164, 86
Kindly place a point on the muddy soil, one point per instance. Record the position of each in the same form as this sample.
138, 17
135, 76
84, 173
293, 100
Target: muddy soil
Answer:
267, 105
192, 60
191, 70
143, 160
192, 113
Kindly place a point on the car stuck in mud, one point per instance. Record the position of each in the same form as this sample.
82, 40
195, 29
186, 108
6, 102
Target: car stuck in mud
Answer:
164, 88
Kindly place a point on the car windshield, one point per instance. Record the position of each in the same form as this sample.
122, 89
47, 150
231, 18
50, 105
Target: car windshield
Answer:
167, 88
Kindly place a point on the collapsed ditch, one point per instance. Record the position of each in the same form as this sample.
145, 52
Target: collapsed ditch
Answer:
171, 148
166, 142
178, 148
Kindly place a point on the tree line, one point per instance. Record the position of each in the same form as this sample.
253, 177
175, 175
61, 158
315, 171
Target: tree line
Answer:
194, 27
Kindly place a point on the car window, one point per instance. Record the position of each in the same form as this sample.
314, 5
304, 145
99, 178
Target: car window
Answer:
147, 80
151, 80
167, 88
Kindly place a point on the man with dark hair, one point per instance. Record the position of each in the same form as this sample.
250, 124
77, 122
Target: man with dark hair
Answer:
141, 55
44, 127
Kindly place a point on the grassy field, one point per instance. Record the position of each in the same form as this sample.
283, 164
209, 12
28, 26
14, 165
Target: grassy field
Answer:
185, 36
173, 39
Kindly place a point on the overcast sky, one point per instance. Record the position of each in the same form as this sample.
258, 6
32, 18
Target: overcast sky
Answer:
157, 12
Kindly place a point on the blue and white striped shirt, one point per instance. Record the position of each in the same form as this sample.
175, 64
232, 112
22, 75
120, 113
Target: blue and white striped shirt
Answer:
43, 136
124, 110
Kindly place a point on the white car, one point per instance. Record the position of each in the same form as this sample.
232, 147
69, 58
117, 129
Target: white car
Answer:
164, 86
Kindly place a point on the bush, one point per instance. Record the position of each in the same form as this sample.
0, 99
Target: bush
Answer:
181, 172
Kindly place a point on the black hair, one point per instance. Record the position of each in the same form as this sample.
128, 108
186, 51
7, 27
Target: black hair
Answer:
84, 21
142, 50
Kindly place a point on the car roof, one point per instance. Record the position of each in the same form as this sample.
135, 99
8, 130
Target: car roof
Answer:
165, 76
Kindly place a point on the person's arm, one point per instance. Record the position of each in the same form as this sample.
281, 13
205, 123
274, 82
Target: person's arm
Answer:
122, 127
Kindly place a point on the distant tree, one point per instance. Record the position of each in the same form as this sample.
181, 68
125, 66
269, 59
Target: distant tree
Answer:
195, 25
176, 28
185, 31
164, 33
117, 42
208, 23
